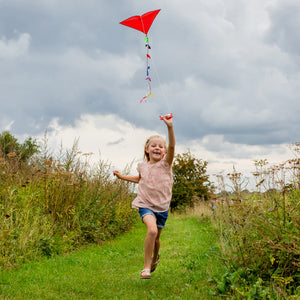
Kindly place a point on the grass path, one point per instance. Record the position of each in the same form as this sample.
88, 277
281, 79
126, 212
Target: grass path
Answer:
112, 270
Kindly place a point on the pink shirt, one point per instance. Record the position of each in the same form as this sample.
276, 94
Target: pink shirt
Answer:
155, 186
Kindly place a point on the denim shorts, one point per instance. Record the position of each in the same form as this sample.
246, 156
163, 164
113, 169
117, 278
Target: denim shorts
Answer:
161, 218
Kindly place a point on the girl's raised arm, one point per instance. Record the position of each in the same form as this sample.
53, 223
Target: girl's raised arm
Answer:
171, 138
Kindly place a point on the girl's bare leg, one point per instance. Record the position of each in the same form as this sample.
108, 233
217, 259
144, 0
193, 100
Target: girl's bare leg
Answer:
150, 241
156, 246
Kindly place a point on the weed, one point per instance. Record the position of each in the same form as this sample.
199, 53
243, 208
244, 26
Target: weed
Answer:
53, 205
260, 234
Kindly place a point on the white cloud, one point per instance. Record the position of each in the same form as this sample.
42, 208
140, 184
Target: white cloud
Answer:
6, 125
11, 48
222, 156
119, 143
227, 69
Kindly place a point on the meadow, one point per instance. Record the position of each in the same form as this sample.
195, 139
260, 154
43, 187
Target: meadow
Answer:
67, 221
260, 231
51, 206
187, 261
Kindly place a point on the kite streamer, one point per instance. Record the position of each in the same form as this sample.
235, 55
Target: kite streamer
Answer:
143, 23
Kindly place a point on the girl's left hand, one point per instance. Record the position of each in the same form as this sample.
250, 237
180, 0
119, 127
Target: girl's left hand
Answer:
168, 122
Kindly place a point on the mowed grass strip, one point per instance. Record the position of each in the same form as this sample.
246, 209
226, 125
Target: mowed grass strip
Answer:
188, 259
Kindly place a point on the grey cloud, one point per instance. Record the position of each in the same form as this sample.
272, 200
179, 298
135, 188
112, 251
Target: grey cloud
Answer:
284, 27
217, 73
117, 142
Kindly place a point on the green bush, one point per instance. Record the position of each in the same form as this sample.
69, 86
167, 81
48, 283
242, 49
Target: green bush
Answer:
259, 232
260, 240
50, 206
10, 145
190, 181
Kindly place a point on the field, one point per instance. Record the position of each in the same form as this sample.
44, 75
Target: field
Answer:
188, 260
67, 230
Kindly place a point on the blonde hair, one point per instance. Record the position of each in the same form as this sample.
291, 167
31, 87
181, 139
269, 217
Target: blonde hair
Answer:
146, 155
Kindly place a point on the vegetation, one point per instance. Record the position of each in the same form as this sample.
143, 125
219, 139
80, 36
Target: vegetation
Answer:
188, 258
55, 203
260, 233
52, 205
191, 181
9, 146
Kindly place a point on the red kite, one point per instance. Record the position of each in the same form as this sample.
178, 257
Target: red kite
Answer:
143, 24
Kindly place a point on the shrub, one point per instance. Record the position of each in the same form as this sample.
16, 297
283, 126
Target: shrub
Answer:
190, 181
260, 236
9, 145
50, 206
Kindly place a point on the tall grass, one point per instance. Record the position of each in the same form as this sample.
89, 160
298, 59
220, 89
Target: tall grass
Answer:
51, 205
260, 233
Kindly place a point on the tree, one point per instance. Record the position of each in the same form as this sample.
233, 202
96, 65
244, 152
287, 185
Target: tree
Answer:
29, 148
10, 144
190, 181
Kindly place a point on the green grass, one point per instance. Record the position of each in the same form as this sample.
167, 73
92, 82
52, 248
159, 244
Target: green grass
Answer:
188, 259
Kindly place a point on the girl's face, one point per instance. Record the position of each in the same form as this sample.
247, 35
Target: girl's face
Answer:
156, 149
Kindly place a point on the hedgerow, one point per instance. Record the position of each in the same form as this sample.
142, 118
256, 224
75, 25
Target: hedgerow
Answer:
53, 205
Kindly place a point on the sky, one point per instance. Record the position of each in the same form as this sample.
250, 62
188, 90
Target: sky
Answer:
228, 70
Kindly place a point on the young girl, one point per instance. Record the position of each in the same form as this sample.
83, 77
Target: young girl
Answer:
154, 192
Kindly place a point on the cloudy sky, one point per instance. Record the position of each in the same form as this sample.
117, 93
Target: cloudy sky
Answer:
229, 71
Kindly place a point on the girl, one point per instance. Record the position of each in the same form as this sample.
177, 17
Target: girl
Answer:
154, 192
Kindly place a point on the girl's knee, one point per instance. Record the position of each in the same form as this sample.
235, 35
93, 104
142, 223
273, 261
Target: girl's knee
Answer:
152, 231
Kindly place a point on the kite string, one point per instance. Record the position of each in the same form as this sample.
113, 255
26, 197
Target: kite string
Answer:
163, 93
165, 98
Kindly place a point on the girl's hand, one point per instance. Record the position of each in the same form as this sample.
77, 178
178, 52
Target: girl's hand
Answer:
168, 121
171, 135
117, 173
134, 179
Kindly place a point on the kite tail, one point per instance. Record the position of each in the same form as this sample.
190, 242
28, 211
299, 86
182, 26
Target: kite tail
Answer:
148, 78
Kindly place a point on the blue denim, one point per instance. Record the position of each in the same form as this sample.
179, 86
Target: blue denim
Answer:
161, 218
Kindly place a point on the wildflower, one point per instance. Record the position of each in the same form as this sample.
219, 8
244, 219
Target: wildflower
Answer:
213, 207
11, 155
